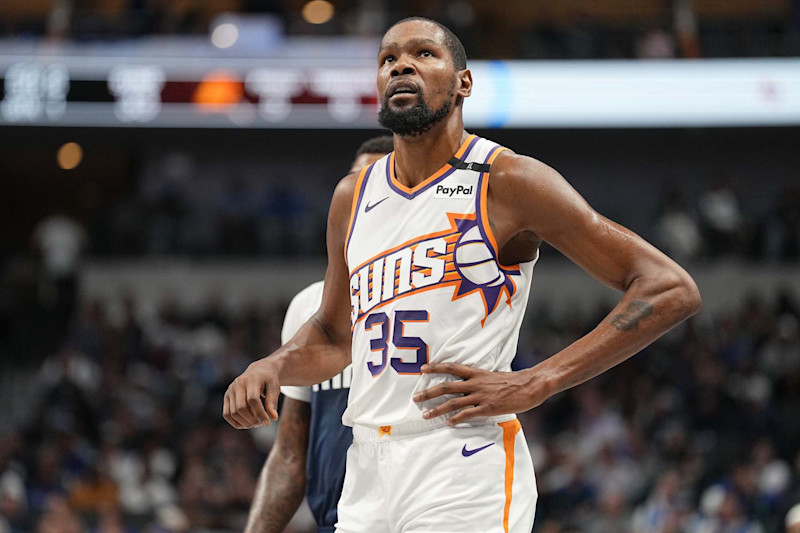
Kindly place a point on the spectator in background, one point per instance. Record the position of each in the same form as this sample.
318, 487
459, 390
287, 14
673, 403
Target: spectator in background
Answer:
676, 230
58, 518
722, 219
238, 212
656, 43
164, 192
13, 492
283, 229
781, 230
664, 506
60, 241
93, 492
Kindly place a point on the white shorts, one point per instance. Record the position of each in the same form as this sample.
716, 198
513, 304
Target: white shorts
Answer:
476, 479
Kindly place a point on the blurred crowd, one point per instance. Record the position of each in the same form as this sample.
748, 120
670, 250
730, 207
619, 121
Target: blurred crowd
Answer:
720, 224
571, 29
183, 209
125, 429
249, 218
696, 434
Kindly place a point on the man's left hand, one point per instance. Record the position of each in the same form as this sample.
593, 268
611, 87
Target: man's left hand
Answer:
485, 393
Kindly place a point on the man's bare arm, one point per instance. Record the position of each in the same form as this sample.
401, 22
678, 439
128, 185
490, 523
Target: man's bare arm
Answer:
658, 294
321, 347
282, 482
527, 196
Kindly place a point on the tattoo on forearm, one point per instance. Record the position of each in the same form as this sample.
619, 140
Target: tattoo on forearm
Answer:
635, 312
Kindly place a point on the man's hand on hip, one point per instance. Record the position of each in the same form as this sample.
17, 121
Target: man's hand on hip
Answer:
485, 393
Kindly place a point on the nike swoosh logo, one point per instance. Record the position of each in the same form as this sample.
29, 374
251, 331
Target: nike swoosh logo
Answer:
466, 453
370, 207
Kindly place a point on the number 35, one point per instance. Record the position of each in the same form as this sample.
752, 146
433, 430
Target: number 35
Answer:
400, 341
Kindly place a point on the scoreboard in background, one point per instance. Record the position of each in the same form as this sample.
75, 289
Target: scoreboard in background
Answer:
79, 91
294, 93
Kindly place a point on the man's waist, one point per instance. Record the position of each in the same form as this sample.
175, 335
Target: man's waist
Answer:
410, 428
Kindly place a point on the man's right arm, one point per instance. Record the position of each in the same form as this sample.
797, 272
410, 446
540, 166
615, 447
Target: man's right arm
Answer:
321, 347
281, 485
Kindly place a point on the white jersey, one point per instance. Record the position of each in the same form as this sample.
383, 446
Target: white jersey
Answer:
302, 307
426, 286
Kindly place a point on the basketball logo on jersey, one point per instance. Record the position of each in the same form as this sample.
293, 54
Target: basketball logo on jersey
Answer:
457, 257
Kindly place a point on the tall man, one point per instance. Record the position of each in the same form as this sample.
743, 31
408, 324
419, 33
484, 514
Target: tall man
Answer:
312, 442
430, 253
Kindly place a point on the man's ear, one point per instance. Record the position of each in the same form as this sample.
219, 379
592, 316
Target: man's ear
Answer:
464, 83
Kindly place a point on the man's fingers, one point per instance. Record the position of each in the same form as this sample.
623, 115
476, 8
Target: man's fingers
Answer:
449, 405
226, 410
466, 415
239, 408
448, 387
462, 371
272, 394
256, 406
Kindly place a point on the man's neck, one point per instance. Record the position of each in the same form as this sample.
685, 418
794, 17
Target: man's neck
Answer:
417, 158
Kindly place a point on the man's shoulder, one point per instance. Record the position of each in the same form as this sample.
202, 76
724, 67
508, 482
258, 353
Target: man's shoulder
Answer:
525, 189
511, 167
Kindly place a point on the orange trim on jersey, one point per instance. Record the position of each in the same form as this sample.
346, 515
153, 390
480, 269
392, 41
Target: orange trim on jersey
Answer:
438, 173
510, 430
450, 216
354, 208
410, 293
487, 228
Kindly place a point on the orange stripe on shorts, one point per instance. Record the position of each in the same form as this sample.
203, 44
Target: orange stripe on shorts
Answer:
510, 430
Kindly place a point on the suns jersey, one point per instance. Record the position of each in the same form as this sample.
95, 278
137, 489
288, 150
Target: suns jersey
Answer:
426, 286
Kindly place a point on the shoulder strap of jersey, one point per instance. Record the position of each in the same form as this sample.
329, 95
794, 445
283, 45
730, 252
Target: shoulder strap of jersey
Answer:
463, 165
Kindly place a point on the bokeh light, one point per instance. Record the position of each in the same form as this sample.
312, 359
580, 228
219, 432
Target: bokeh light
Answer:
225, 35
318, 11
69, 155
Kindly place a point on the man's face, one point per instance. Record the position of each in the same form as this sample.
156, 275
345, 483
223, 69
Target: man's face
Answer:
416, 78
364, 160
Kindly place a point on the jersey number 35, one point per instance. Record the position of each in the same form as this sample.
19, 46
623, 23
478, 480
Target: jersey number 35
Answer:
399, 340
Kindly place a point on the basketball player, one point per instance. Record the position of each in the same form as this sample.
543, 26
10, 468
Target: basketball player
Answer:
311, 421
430, 252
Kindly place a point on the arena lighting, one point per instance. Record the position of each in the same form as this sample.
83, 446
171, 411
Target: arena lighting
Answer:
225, 35
218, 90
69, 155
318, 11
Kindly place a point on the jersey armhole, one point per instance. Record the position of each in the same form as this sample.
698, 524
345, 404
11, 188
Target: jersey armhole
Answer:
483, 207
359, 193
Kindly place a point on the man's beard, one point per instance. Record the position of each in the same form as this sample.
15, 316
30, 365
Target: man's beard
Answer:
413, 121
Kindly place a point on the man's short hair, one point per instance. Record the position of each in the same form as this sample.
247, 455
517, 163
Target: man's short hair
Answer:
451, 42
382, 144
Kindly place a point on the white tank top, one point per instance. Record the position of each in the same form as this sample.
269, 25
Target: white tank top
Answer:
426, 286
